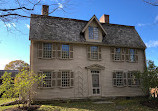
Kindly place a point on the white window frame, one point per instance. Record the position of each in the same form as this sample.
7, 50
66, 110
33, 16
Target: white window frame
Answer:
132, 80
45, 80
47, 53
94, 34
63, 54
117, 79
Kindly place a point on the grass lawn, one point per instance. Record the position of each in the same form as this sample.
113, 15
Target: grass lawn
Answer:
118, 105
2, 101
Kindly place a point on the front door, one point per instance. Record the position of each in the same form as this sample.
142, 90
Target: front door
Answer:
95, 82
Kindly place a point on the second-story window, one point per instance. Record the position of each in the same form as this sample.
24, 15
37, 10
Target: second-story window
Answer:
47, 50
94, 52
65, 51
118, 54
93, 33
132, 55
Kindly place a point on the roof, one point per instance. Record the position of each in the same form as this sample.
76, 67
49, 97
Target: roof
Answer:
69, 30
14, 72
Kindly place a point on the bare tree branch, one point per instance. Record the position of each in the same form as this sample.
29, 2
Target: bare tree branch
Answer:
151, 3
15, 10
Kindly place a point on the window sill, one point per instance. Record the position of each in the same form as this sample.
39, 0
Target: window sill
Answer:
65, 87
54, 87
65, 59
117, 61
46, 87
119, 86
46, 58
134, 86
95, 59
132, 62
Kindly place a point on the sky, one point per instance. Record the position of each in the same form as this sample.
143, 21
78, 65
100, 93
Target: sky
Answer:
15, 44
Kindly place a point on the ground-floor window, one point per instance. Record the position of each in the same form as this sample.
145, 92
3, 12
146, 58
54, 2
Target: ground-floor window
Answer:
57, 79
121, 79
132, 79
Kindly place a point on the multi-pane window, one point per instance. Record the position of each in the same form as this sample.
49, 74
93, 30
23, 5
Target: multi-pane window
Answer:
96, 33
65, 78
119, 79
122, 54
132, 55
90, 32
118, 54
47, 79
94, 52
93, 32
132, 79
65, 51
47, 50
55, 50
53, 79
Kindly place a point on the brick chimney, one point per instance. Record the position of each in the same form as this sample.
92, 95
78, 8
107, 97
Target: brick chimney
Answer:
104, 19
45, 9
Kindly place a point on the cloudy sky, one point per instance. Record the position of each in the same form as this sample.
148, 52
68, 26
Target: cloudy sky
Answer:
15, 44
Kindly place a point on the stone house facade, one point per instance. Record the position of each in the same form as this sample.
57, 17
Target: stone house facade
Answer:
85, 59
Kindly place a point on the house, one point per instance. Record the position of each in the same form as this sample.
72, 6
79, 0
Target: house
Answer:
85, 59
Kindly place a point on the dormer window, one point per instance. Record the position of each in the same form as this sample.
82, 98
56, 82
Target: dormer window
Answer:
93, 33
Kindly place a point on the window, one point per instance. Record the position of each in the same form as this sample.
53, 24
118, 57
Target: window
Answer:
65, 51
65, 79
57, 79
93, 32
94, 52
119, 79
132, 80
132, 55
117, 54
47, 50
47, 79
90, 32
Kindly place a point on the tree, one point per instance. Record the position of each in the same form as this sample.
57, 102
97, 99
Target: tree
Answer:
17, 65
7, 87
12, 11
149, 78
152, 2
22, 86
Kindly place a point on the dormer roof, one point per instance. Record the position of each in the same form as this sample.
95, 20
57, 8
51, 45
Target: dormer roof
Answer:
94, 18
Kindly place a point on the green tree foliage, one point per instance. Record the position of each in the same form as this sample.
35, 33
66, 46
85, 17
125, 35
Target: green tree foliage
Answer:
149, 78
17, 65
23, 85
7, 87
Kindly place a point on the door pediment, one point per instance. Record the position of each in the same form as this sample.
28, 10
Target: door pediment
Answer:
95, 66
